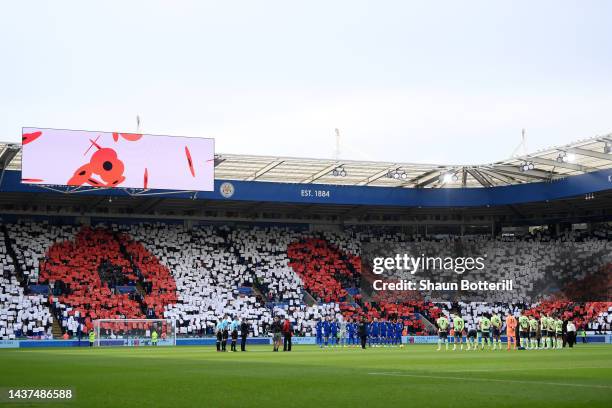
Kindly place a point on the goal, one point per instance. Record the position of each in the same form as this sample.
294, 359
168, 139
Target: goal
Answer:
134, 332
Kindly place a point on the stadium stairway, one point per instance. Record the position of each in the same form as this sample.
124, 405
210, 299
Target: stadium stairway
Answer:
350, 298
56, 329
139, 283
258, 291
308, 299
429, 326
11, 251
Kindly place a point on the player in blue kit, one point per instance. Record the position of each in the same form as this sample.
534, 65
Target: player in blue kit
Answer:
382, 330
319, 329
373, 333
399, 330
351, 328
334, 333
390, 332
326, 331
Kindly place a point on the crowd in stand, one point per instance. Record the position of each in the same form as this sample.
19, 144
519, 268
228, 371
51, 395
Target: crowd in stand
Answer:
20, 315
194, 275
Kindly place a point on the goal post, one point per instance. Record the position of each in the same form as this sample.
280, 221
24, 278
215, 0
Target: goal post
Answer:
134, 332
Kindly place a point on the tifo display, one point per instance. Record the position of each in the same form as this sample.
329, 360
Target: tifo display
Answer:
195, 277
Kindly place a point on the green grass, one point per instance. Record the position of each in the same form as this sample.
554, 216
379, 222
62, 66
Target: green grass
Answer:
416, 376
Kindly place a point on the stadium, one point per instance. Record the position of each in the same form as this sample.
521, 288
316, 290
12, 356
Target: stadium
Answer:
284, 237
317, 204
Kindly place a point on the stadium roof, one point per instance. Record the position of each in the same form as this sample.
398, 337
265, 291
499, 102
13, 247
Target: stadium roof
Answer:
548, 164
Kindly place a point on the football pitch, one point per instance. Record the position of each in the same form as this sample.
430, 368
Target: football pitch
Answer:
417, 375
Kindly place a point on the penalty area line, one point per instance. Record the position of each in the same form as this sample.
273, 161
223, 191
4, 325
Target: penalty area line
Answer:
443, 377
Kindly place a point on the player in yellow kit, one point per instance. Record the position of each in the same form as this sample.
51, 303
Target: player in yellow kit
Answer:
442, 323
459, 327
496, 325
485, 326
559, 332
533, 333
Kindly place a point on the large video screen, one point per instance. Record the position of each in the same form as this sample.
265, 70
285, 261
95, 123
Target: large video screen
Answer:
113, 159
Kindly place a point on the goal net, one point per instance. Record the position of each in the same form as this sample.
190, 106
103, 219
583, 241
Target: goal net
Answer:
135, 332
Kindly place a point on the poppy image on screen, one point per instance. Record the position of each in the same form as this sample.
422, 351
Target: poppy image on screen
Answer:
115, 159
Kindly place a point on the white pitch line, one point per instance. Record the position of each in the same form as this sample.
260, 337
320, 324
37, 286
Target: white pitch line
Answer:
441, 377
494, 370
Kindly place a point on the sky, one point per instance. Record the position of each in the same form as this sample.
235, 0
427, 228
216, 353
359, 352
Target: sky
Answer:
450, 82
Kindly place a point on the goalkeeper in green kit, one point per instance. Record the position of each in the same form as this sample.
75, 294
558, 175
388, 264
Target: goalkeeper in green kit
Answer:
458, 326
442, 323
496, 323
485, 325
154, 336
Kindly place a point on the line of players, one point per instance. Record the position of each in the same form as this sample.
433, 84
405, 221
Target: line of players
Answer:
533, 334
340, 333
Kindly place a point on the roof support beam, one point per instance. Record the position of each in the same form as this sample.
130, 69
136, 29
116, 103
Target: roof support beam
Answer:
529, 174
428, 181
6, 156
264, 170
498, 176
417, 180
564, 165
321, 173
377, 176
474, 173
589, 153
486, 177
